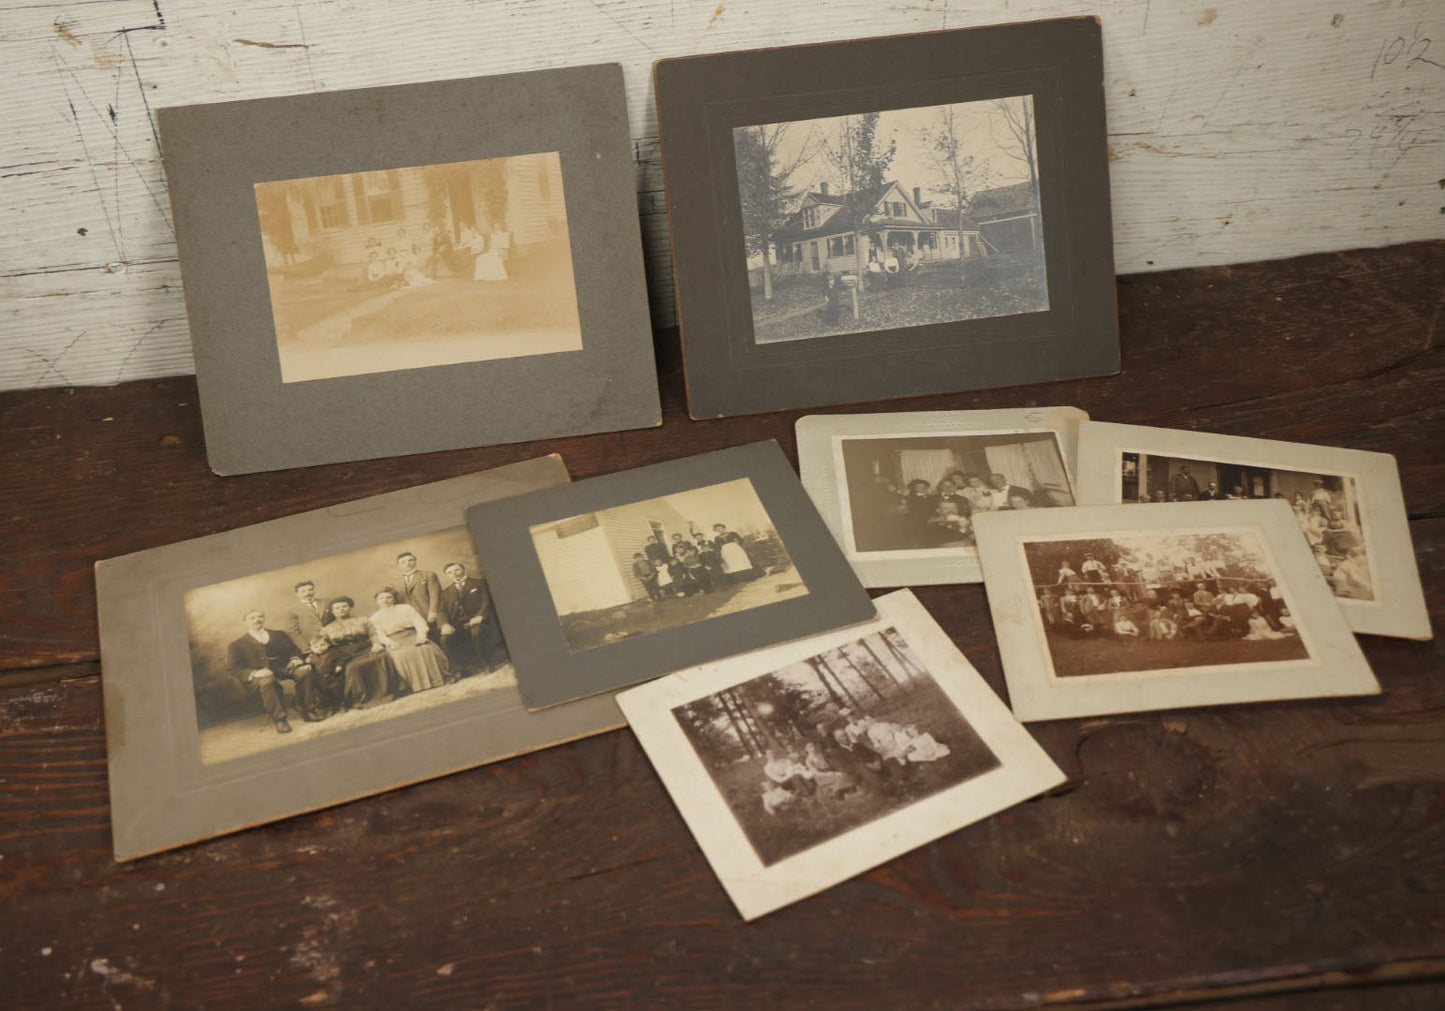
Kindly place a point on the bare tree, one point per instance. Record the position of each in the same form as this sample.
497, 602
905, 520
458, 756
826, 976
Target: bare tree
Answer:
958, 175
1017, 118
861, 163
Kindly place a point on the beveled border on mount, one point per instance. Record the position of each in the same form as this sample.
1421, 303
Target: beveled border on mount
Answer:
214, 155
1335, 666
701, 98
1024, 769
550, 673
1399, 607
163, 796
818, 466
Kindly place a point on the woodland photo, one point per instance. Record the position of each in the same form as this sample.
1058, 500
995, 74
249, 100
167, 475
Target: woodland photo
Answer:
820, 747
899, 218
1160, 601
411, 267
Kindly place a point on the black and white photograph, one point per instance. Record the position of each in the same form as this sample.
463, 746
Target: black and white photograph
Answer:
665, 562
893, 218
920, 493
1151, 601
341, 642
1326, 506
799, 766
406, 268
816, 748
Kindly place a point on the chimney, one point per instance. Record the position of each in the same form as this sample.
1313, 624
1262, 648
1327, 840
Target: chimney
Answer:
823, 188
917, 196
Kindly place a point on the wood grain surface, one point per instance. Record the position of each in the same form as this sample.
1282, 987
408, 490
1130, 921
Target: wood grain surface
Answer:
1238, 130
1273, 857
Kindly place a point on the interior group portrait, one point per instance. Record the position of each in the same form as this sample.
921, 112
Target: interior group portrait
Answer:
341, 642
380, 271
894, 218
819, 747
920, 493
663, 562
1161, 601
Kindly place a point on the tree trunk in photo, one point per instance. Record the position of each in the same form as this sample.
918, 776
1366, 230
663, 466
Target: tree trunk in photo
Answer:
904, 662
832, 693
767, 272
741, 732
825, 672
861, 676
834, 670
882, 666
761, 729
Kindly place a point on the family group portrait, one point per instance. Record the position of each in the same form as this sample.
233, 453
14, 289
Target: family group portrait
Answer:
662, 562
1160, 601
406, 268
920, 493
817, 748
1326, 506
893, 218
340, 642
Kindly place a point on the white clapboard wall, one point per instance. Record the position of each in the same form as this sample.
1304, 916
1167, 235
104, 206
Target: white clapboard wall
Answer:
1239, 129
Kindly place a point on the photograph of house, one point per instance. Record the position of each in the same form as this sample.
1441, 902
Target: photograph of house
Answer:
428, 265
905, 217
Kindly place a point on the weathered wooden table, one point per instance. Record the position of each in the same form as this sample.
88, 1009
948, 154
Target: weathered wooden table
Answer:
1274, 856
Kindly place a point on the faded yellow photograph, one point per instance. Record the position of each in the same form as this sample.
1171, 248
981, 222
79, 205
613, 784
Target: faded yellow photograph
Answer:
414, 267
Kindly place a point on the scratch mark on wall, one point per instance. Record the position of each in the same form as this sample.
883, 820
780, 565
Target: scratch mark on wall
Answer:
63, 30
306, 46
716, 14
272, 45
630, 33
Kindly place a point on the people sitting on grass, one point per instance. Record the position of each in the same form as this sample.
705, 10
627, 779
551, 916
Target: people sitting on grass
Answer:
1083, 611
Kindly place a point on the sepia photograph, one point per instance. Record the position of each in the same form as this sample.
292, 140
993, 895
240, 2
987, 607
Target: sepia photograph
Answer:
821, 746
381, 271
1326, 506
919, 493
1153, 601
665, 562
341, 642
896, 218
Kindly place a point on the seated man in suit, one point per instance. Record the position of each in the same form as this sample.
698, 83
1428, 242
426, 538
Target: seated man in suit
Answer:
470, 633
263, 657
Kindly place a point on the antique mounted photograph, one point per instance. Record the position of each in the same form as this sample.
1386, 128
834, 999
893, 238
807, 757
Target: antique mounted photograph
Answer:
623, 577
800, 766
284, 667
659, 563
894, 218
340, 642
453, 251
1347, 503
418, 266
1124, 608
900, 491
889, 217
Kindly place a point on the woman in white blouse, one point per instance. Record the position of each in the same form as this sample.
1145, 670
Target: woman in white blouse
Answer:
402, 632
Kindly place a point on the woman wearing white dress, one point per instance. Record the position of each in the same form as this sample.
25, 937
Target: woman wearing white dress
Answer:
735, 559
1259, 628
402, 632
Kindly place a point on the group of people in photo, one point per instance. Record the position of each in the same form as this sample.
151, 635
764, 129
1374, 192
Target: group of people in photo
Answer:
851, 754
1193, 599
940, 515
689, 565
421, 634
417, 260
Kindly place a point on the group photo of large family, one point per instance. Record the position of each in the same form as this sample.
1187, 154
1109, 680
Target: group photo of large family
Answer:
412, 267
895, 218
663, 562
1326, 506
916, 493
819, 747
1160, 601
340, 642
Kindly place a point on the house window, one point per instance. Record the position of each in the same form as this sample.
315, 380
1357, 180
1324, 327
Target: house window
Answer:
383, 196
576, 525
897, 209
785, 253
810, 217
847, 245
331, 203
835, 246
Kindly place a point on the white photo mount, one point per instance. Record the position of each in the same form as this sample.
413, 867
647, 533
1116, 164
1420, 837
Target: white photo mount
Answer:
1398, 608
1023, 770
821, 466
1334, 665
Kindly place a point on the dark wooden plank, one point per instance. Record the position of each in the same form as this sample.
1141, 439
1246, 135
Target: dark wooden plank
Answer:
1337, 348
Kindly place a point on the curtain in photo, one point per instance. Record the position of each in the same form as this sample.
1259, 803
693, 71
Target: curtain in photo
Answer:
924, 464
1032, 465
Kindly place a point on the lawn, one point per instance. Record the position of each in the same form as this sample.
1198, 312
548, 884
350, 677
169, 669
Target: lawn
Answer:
940, 291
1115, 655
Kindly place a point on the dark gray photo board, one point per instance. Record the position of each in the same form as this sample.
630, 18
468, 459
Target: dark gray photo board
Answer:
412, 268
581, 620
962, 175
192, 750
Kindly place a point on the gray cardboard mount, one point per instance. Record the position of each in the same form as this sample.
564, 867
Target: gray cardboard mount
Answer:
550, 673
214, 154
700, 99
162, 795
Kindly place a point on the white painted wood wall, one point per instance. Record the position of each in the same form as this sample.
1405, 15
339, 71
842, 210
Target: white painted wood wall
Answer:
1239, 129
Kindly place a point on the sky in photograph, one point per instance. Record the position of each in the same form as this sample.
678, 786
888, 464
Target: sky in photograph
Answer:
734, 503
981, 125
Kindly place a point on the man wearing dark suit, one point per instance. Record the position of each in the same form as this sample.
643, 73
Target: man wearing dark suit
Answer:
1000, 484
263, 657
470, 633
1184, 486
421, 589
